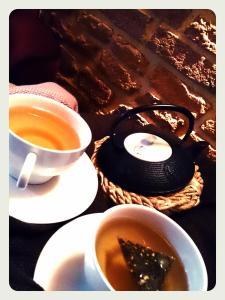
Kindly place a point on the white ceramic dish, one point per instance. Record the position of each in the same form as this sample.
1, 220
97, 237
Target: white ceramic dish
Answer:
60, 199
192, 261
63, 264
60, 264
34, 164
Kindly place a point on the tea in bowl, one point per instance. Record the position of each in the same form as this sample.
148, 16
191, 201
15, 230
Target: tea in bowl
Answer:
45, 138
138, 248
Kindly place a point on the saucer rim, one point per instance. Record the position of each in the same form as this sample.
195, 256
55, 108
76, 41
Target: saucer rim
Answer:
73, 215
77, 248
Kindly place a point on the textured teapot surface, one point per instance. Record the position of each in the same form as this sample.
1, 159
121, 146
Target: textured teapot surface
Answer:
144, 160
144, 177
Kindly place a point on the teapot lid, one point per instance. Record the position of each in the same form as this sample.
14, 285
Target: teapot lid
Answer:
148, 147
146, 161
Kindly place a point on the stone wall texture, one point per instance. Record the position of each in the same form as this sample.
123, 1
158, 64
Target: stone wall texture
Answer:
133, 57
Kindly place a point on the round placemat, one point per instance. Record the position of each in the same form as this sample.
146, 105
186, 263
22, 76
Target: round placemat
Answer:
185, 199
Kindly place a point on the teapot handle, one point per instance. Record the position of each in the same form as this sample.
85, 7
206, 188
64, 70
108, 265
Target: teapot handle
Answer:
168, 107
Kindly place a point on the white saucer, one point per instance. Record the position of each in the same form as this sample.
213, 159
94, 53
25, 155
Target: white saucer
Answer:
60, 264
60, 199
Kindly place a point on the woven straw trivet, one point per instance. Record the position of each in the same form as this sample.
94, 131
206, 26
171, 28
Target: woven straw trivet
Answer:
185, 199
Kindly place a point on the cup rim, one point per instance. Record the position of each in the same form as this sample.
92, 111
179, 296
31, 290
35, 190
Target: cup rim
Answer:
204, 283
59, 104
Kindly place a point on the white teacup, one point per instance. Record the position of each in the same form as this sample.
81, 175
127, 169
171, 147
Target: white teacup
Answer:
33, 164
186, 249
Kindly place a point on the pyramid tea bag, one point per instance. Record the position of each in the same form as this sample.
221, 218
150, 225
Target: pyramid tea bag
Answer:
148, 249
148, 268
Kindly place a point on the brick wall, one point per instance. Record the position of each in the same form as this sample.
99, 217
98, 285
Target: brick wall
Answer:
134, 57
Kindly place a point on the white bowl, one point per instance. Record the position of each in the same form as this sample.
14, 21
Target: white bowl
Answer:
186, 249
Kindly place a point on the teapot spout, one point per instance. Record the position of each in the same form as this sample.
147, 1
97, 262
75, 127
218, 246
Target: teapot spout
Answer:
197, 148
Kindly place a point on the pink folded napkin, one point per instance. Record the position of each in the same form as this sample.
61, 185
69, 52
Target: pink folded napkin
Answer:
48, 89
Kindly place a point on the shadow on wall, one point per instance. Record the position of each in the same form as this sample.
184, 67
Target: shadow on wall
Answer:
33, 50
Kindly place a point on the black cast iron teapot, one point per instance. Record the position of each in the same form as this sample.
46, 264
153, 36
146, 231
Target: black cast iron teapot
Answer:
146, 160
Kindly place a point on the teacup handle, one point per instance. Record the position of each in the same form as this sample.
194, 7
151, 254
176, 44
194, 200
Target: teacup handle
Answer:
26, 170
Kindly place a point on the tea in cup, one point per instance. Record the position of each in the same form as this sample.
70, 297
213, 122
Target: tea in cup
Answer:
45, 138
139, 248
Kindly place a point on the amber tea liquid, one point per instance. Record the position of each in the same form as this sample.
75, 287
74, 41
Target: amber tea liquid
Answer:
113, 264
42, 128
